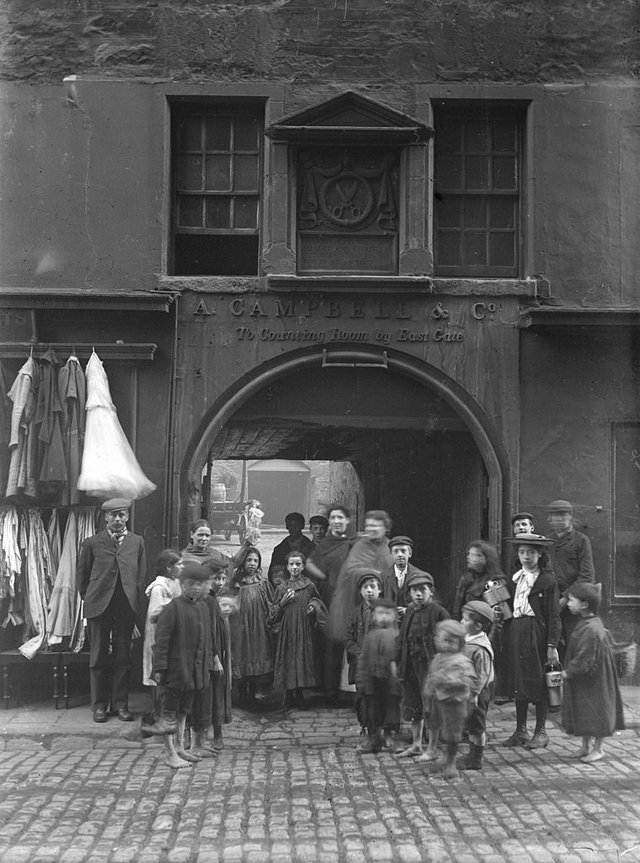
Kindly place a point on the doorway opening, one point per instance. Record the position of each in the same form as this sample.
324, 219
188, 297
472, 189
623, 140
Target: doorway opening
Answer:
409, 450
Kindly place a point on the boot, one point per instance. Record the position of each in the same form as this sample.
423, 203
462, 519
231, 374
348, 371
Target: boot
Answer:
450, 769
540, 739
371, 745
473, 761
520, 737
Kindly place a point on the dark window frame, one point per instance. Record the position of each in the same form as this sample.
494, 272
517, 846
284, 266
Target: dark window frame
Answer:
467, 112
241, 245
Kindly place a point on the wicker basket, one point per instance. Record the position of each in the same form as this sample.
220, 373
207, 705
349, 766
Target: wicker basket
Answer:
624, 656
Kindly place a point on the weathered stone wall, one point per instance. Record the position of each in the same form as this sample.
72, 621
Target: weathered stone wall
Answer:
343, 41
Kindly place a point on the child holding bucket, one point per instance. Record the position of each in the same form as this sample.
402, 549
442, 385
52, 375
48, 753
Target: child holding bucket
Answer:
592, 706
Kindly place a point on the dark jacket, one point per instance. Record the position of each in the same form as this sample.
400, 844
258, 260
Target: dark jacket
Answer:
421, 648
184, 644
470, 587
572, 559
361, 622
544, 600
99, 564
390, 589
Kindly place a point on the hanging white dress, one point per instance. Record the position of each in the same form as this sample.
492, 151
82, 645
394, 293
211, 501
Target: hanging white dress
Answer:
109, 466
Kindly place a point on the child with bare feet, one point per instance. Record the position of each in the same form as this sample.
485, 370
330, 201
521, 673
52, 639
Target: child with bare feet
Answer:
370, 587
450, 688
222, 603
591, 706
183, 657
415, 652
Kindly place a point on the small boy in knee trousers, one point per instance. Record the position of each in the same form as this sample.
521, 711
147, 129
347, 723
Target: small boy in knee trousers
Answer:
370, 587
450, 688
183, 658
377, 676
415, 651
477, 619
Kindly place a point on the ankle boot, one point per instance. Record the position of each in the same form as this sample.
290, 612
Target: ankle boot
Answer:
473, 760
539, 740
520, 737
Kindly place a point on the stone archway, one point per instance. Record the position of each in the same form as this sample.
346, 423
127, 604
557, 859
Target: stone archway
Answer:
465, 407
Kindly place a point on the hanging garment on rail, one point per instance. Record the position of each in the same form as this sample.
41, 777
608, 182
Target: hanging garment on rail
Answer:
61, 616
22, 442
52, 469
87, 526
109, 466
72, 392
55, 539
38, 582
5, 427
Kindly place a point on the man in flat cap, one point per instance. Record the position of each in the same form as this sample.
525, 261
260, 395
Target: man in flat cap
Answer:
571, 558
111, 568
396, 576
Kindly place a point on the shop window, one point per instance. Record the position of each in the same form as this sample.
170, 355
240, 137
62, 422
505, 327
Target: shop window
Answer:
626, 511
217, 179
478, 190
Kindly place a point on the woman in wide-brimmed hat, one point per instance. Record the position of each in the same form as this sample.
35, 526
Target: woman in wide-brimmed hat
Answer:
532, 635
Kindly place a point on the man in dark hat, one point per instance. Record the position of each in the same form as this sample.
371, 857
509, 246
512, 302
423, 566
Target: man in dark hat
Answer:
522, 522
111, 568
571, 558
396, 576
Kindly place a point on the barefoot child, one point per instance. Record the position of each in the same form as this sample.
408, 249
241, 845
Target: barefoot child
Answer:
182, 660
377, 676
295, 613
370, 586
591, 706
450, 688
219, 609
477, 619
415, 652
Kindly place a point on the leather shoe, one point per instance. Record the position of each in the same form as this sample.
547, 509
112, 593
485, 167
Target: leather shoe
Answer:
99, 714
124, 715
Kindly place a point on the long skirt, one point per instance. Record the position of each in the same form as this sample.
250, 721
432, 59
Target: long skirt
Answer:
528, 651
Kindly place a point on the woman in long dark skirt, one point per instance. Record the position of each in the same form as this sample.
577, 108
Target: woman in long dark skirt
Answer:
532, 636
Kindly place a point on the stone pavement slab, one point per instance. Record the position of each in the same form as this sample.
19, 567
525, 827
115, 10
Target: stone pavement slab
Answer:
280, 792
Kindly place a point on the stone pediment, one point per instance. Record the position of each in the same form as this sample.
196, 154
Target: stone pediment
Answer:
349, 118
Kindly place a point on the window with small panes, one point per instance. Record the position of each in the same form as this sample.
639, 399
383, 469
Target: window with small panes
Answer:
478, 200
217, 187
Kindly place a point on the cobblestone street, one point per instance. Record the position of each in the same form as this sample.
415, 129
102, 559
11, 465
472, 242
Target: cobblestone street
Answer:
297, 789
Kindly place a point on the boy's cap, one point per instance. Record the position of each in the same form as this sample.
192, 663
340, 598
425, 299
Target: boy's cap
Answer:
401, 540
364, 573
481, 608
520, 516
195, 572
452, 627
115, 503
559, 506
420, 578
384, 603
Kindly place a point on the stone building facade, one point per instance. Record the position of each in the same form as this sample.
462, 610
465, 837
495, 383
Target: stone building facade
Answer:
400, 235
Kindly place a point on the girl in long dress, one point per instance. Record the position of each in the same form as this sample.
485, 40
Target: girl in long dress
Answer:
251, 641
295, 614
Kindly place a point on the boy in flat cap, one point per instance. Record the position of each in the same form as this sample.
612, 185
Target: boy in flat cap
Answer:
450, 689
477, 619
377, 677
396, 577
370, 587
571, 560
112, 566
416, 649
183, 659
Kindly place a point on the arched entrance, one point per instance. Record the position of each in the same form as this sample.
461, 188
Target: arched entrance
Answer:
422, 447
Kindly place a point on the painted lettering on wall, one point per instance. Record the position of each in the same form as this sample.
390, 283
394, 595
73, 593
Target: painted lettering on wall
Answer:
342, 334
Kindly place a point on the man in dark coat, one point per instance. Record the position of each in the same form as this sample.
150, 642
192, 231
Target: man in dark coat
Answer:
111, 568
571, 559
296, 541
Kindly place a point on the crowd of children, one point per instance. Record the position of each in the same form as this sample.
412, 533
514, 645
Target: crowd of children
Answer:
207, 628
